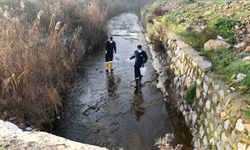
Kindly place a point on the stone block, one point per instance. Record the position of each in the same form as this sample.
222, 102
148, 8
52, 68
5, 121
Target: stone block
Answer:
224, 137
205, 141
201, 131
233, 136
228, 147
218, 108
242, 146
219, 146
194, 118
208, 104
205, 87
239, 125
198, 93
226, 124
219, 129
208, 79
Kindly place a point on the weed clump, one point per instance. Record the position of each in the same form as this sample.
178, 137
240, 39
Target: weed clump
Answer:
190, 94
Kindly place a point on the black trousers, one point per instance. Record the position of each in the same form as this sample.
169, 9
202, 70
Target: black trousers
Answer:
109, 57
137, 72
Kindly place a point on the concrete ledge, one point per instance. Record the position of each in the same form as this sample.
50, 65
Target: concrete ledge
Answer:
14, 138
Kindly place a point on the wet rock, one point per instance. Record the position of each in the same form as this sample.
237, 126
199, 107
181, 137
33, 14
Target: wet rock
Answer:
216, 44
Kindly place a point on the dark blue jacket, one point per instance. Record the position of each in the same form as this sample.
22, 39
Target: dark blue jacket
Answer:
110, 47
140, 58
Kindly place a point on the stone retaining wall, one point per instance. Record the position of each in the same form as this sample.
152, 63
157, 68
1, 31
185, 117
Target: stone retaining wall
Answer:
13, 138
215, 118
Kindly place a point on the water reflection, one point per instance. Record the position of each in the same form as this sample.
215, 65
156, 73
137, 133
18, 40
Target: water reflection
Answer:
137, 104
111, 84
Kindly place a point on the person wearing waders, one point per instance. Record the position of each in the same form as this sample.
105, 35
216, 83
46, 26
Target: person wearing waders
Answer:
141, 58
110, 50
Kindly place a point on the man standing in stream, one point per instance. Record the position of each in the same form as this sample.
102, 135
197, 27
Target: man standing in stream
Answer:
110, 50
141, 58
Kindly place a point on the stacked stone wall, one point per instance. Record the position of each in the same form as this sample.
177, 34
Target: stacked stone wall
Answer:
216, 117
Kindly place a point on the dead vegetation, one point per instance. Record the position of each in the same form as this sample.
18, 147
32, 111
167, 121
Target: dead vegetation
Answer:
40, 43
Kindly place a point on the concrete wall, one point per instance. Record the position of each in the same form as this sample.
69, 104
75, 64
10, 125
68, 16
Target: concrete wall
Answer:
216, 117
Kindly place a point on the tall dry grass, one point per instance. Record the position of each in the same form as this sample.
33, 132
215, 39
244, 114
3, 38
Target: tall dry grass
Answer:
36, 42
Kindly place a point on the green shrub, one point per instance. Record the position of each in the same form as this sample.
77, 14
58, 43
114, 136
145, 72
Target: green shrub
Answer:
190, 94
224, 27
220, 58
196, 39
239, 67
246, 81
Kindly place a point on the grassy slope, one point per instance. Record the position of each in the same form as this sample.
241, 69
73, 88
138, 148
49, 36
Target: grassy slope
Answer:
219, 20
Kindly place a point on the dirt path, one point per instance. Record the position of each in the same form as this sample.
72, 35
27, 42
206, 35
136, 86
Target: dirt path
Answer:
105, 109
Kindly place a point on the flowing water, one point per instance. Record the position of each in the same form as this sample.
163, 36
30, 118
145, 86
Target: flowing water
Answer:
105, 109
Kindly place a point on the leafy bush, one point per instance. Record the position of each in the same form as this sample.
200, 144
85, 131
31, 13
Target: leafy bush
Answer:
224, 27
190, 94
